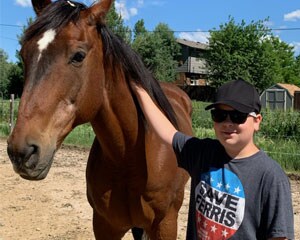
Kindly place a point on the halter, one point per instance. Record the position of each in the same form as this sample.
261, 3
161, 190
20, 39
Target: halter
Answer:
71, 4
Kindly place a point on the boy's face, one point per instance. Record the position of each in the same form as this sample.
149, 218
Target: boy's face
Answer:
237, 138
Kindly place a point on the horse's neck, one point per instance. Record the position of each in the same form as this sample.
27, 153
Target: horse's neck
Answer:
116, 124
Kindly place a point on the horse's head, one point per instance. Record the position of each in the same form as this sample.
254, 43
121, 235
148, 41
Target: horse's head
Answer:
63, 61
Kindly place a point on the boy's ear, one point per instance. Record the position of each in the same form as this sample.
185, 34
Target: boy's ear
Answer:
257, 120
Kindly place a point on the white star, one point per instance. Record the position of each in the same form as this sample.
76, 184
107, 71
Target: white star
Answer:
211, 179
237, 190
224, 233
213, 228
227, 186
205, 224
219, 185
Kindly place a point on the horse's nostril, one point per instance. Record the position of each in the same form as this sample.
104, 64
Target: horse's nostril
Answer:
30, 150
23, 155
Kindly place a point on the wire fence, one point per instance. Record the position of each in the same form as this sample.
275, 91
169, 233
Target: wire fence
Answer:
279, 135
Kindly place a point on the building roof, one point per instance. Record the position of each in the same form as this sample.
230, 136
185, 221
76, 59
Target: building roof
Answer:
192, 44
291, 88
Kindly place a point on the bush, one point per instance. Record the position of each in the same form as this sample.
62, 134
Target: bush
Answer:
281, 124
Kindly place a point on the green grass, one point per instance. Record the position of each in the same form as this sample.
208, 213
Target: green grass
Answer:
285, 151
279, 135
82, 135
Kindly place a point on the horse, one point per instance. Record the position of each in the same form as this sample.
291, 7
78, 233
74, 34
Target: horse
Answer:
77, 71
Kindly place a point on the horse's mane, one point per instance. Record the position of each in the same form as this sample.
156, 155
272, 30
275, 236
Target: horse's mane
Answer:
135, 69
58, 14
55, 16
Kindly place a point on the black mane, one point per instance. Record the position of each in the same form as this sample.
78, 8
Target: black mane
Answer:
55, 16
135, 69
58, 14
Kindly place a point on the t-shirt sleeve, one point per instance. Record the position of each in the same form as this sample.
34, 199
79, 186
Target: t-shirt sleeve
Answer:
183, 148
193, 154
279, 215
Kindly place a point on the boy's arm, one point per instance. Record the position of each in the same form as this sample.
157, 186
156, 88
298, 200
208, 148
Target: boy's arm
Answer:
155, 118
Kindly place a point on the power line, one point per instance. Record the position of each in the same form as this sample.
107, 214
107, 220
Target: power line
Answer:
10, 25
176, 31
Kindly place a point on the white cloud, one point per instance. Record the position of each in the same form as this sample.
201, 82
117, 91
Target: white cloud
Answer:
197, 36
125, 12
23, 3
296, 46
292, 16
133, 11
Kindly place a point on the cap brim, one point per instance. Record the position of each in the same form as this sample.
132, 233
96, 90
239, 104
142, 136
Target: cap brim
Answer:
237, 106
210, 106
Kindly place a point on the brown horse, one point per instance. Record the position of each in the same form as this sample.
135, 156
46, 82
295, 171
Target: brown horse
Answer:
77, 71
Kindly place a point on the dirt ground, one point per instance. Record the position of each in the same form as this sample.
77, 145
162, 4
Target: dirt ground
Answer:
57, 209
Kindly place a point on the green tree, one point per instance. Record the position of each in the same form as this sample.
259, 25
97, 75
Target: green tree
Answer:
116, 24
16, 73
139, 28
297, 70
250, 52
16, 79
4, 70
159, 50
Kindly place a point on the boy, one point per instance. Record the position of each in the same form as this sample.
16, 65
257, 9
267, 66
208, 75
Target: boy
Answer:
237, 191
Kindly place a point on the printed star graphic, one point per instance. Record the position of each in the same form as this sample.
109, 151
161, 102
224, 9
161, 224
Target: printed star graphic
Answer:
224, 233
213, 228
205, 224
237, 190
227, 186
219, 185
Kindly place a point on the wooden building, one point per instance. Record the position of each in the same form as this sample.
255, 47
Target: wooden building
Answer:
192, 69
279, 96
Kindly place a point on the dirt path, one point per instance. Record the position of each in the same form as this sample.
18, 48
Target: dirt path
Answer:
57, 209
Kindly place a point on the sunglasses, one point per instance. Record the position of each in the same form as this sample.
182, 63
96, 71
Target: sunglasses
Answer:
235, 116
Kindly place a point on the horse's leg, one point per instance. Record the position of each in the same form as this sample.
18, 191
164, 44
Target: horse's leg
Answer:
103, 230
166, 229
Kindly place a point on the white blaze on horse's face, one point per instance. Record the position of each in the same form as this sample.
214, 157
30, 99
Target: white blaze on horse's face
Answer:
44, 42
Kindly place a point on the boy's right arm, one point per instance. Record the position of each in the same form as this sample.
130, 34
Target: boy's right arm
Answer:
155, 118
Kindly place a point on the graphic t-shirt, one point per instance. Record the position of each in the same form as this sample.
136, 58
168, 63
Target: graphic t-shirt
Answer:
247, 198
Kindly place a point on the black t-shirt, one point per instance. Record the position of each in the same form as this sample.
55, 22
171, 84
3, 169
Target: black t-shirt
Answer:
247, 198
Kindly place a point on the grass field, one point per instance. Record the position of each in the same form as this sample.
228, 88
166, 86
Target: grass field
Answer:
279, 135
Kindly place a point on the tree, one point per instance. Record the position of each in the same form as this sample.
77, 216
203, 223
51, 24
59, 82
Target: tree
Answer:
297, 70
158, 49
4, 70
139, 28
284, 61
250, 52
16, 79
116, 24
16, 73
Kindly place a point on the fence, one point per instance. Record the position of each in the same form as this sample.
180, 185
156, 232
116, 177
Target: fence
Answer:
8, 113
279, 135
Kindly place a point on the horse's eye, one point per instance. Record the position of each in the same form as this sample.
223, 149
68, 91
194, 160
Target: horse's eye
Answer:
78, 57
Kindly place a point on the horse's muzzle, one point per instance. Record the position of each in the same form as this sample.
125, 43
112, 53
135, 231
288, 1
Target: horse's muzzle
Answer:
27, 163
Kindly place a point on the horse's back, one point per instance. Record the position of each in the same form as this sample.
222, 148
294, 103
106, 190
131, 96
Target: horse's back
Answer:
182, 106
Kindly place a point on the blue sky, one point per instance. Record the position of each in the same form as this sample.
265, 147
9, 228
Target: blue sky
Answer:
190, 19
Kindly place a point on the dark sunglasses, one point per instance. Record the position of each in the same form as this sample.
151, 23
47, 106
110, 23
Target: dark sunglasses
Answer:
235, 116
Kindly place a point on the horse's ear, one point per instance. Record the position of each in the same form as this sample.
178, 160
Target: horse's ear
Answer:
39, 5
99, 10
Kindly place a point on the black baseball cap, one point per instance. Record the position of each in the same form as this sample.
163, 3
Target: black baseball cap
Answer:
238, 94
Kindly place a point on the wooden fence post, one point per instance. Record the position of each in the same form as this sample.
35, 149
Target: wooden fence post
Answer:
11, 116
